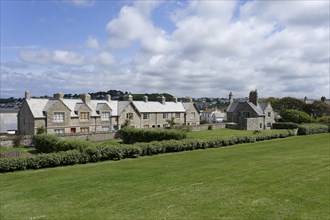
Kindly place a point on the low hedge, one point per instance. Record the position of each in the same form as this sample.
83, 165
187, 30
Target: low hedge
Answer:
46, 143
305, 129
285, 125
133, 135
101, 153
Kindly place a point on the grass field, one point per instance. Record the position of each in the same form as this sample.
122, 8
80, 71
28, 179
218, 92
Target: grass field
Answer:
278, 179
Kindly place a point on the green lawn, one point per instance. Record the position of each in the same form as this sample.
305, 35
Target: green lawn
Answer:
278, 179
218, 133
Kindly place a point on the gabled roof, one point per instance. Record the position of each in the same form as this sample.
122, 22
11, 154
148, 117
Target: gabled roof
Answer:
37, 106
236, 106
154, 107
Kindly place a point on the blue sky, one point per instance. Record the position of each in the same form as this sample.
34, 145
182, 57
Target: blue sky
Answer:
186, 48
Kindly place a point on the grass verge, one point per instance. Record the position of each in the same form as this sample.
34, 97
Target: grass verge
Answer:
278, 179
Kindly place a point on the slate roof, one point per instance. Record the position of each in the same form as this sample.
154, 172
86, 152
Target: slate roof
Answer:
154, 107
236, 106
38, 106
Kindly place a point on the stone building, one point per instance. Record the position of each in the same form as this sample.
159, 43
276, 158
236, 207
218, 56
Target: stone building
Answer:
250, 115
58, 115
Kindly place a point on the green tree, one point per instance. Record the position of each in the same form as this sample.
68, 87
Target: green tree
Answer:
295, 116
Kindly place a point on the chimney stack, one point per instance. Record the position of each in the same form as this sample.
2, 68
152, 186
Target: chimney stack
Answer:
231, 99
58, 96
161, 99
145, 98
27, 95
188, 99
108, 98
128, 97
85, 97
175, 99
253, 97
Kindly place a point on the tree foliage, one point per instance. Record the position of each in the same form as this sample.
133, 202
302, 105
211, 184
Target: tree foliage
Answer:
295, 116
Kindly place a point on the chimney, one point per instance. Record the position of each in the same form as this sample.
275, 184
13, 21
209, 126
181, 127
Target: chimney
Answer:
58, 96
175, 99
231, 99
128, 97
145, 98
85, 97
108, 98
27, 94
188, 99
253, 97
161, 99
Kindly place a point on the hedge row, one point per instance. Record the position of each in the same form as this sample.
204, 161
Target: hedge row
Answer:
305, 129
101, 153
285, 125
133, 135
39, 161
46, 143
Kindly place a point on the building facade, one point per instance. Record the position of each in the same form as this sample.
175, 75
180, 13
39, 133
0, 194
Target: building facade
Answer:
250, 115
60, 116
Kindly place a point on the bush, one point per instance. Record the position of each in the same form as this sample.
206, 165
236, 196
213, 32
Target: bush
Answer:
101, 153
312, 129
46, 143
285, 125
295, 116
132, 135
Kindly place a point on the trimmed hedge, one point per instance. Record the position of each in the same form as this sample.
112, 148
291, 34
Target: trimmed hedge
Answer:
133, 135
305, 129
46, 143
101, 153
285, 125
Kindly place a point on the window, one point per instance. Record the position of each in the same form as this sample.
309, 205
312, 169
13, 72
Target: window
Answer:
177, 115
105, 128
59, 131
129, 115
246, 114
105, 116
145, 126
145, 116
260, 125
165, 115
84, 130
58, 117
192, 115
269, 114
269, 124
84, 116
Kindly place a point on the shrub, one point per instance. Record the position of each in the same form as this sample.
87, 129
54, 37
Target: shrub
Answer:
285, 125
46, 143
295, 116
312, 129
132, 135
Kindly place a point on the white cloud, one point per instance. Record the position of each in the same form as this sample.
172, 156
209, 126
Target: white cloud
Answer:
209, 52
45, 57
92, 43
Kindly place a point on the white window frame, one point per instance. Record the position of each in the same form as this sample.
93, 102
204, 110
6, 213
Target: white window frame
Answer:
105, 128
177, 115
59, 131
105, 116
58, 117
192, 115
84, 116
165, 115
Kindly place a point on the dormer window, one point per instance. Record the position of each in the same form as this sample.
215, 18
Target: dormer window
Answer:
105, 116
84, 116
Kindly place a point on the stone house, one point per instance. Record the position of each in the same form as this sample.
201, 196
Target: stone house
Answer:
58, 115
250, 115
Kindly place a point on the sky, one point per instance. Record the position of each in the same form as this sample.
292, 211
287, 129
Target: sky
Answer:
185, 48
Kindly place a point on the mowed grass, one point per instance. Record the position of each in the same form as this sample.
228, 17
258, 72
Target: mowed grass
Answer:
278, 179
219, 133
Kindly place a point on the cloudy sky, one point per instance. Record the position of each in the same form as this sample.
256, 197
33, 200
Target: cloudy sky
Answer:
186, 48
